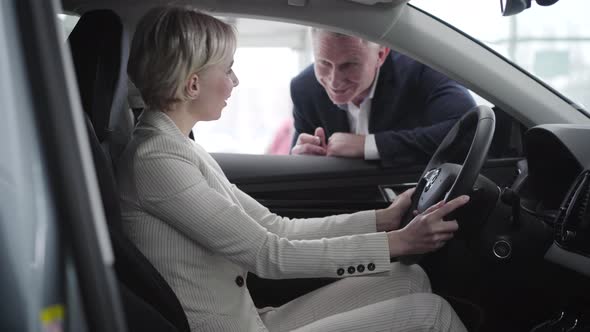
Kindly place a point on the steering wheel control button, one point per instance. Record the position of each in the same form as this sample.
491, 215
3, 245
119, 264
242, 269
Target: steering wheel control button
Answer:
360, 268
351, 269
340, 271
502, 249
371, 267
239, 281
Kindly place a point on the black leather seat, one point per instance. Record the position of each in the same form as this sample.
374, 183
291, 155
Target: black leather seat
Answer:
99, 47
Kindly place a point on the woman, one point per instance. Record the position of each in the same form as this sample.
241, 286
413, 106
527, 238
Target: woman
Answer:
203, 234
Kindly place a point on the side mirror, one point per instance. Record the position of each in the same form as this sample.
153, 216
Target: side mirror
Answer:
513, 7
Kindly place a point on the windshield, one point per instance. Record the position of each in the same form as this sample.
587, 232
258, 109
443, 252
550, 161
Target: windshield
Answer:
552, 43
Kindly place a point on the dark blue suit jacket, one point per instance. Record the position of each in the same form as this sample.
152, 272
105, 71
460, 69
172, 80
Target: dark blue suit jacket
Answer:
411, 112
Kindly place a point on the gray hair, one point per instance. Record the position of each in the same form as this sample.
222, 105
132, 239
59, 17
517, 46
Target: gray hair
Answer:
170, 44
317, 31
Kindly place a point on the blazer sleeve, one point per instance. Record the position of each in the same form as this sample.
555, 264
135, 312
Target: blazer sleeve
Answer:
301, 120
445, 101
174, 190
308, 228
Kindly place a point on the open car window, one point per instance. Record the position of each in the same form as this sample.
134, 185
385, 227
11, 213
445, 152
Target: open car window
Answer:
258, 118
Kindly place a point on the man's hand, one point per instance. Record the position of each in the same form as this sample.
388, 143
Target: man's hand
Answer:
339, 144
311, 144
346, 145
390, 218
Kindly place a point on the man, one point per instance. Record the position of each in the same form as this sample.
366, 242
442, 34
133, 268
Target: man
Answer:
358, 100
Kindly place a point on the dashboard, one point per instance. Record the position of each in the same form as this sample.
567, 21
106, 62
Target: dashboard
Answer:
557, 190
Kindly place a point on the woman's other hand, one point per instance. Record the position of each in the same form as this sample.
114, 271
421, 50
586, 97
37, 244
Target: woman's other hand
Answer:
427, 231
389, 219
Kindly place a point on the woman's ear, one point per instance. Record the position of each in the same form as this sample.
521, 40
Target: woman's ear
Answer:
192, 87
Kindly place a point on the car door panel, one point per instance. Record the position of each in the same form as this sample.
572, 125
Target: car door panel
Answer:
306, 186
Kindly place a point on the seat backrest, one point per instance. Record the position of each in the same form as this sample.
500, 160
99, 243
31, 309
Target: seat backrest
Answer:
132, 267
99, 47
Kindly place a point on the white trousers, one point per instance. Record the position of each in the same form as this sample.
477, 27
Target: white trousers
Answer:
401, 301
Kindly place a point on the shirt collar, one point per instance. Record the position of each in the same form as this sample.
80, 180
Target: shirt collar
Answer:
368, 97
161, 121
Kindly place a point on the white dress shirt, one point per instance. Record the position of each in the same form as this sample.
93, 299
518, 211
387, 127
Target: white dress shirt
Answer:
358, 119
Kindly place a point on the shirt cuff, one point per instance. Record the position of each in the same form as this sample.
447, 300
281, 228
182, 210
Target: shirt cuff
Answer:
371, 152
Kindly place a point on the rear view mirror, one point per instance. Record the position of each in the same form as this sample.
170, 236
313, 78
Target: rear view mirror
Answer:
513, 7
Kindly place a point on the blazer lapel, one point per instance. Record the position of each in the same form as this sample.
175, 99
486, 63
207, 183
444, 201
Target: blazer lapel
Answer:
383, 113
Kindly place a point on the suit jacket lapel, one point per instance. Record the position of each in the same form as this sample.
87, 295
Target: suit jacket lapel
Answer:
382, 105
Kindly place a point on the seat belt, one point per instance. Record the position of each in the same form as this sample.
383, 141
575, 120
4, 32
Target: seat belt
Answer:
134, 99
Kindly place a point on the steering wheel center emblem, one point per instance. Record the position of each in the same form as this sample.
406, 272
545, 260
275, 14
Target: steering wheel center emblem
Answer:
430, 177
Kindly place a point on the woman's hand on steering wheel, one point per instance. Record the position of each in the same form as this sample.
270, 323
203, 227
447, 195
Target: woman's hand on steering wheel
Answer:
427, 231
389, 219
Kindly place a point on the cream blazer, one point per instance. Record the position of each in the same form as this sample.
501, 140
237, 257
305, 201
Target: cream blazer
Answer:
203, 234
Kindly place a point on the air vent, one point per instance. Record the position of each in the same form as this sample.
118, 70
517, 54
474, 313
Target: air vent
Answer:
572, 224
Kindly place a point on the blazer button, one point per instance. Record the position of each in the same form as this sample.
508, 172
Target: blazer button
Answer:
351, 269
360, 268
340, 271
239, 281
371, 267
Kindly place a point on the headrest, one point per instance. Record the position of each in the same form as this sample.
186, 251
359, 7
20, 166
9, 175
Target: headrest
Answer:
100, 48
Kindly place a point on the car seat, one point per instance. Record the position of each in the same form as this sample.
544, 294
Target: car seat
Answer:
99, 45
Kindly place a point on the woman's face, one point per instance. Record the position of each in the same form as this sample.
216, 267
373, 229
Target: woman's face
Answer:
216, 84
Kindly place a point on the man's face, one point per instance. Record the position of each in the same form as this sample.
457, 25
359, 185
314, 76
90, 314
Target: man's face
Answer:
346, 66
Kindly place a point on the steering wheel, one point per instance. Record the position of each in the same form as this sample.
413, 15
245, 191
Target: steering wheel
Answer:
443, 180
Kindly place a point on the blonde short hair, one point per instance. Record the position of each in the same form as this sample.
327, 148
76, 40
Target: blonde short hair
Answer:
171, 43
